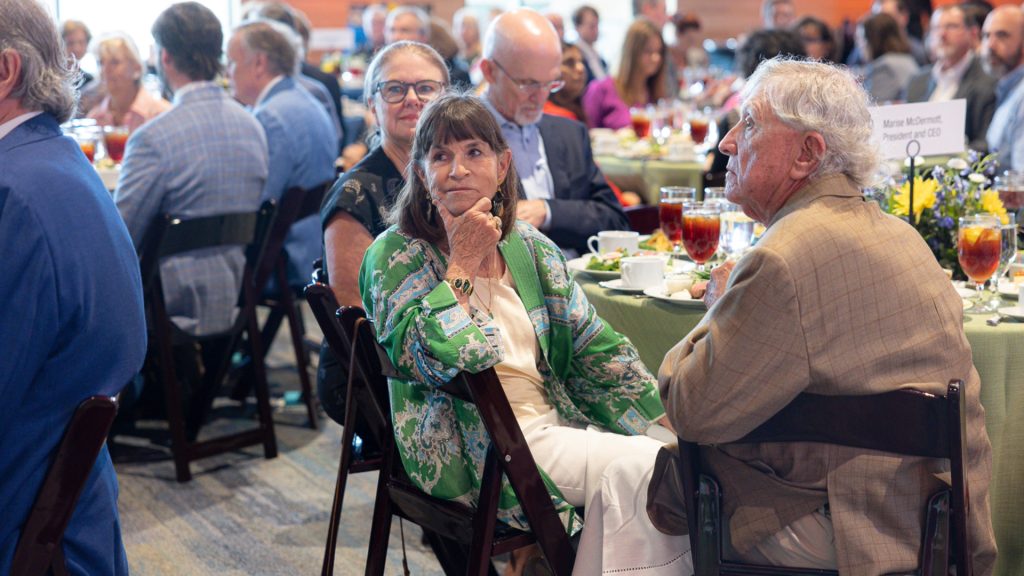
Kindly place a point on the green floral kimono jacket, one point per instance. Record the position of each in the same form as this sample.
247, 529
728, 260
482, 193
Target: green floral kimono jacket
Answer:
592, 374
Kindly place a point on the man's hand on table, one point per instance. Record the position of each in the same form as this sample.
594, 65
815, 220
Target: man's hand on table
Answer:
533, 211
719, 280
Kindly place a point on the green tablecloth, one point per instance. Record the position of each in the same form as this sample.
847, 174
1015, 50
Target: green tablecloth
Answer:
655, 326
654, 173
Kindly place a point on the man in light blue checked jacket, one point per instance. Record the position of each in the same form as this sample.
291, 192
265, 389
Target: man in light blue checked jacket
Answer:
204, 156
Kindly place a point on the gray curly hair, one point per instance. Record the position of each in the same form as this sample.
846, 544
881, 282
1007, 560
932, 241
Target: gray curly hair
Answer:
48, 76
821, 98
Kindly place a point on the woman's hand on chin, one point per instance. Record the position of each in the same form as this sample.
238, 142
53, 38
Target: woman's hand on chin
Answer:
472, 236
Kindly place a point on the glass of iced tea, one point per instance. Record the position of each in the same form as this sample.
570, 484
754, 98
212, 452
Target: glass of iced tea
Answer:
702, 227
640, 119
114, 140
1010, 186
670, 211
979, 247
699, 124
87, 138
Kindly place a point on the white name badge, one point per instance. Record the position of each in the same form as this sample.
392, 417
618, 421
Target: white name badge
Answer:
937, 126
331, 39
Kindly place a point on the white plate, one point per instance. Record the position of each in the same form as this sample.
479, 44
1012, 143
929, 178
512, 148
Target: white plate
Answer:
616, 284
577, 265
1015, 312
1009, 289
658, 293
965, 293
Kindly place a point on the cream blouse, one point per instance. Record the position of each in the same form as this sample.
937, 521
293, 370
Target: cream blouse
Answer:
518, 371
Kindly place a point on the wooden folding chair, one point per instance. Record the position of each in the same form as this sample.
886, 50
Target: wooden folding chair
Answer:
906, 422
172, 236
357, 397
39, 548
296, 204
477, 528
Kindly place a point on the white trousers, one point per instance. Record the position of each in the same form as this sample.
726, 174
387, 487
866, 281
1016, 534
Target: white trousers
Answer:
609, 474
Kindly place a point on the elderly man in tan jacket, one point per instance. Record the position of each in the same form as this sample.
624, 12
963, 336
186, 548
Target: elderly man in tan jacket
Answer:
836, 298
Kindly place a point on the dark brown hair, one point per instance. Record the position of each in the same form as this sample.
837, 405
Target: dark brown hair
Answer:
883, 35
453, 117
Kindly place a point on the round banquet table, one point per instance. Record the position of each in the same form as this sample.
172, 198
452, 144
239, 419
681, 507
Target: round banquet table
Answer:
654, 173
655, 326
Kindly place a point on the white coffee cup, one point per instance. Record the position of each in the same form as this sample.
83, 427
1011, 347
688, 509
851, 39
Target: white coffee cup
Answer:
609, 240
641, 272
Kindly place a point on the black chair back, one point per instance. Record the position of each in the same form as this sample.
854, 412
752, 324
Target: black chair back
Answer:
39, 548
907, 422
171, 236
296, 204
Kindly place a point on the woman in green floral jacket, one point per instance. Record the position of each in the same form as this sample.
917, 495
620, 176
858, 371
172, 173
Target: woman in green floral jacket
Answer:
457, 284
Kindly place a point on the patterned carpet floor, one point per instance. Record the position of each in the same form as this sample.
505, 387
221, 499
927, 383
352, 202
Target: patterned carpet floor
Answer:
243, 514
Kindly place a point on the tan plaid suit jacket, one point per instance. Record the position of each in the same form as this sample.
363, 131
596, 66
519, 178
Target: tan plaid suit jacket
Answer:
836, 298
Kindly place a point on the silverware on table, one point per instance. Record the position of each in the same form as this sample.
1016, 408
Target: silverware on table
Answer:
994, 321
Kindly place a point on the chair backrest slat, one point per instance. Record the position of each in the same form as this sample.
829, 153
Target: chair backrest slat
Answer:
71, 466
889, 422
904, 422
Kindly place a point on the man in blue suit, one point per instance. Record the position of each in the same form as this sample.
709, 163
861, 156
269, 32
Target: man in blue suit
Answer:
204, 156
71, 323
262, 63
566, 196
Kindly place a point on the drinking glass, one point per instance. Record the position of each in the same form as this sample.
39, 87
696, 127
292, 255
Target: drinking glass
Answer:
979, 245
1010, 186
737, 229
702, 227
699, 125
1007, 254
114, 140
670, 211
88, 139
640, 118
715, 194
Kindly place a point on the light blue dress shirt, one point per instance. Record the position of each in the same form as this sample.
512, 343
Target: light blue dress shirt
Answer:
529, 158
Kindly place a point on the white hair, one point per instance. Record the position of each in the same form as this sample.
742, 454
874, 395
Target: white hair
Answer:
48, 76
419, 13
821, 98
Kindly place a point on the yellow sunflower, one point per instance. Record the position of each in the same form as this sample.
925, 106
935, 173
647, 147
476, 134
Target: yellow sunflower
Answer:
924, 197
991, 203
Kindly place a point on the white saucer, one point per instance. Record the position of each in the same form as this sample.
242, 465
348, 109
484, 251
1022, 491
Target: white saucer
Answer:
1009, 289
1015, 312
965, 293
684, 299
617, 285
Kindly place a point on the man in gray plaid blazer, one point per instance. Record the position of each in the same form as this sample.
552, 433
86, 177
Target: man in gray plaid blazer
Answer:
204, 156
836, 298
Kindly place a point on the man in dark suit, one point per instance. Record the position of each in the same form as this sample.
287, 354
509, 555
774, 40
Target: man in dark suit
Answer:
957, 73
72, 324
586, 21
564, 193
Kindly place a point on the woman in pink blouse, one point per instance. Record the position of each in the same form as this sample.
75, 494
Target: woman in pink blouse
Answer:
640, 79
126, 103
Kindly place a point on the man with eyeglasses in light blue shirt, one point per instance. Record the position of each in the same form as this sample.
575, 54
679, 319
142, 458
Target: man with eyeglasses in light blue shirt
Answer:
563, 192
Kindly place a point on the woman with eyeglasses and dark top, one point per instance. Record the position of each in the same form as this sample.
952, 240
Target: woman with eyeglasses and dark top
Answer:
402, 78
639, 81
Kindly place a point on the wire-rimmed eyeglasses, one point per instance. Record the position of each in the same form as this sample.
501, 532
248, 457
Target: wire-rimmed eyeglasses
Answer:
530, 86
395, 91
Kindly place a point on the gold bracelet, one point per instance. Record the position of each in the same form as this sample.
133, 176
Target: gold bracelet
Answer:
463, 285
